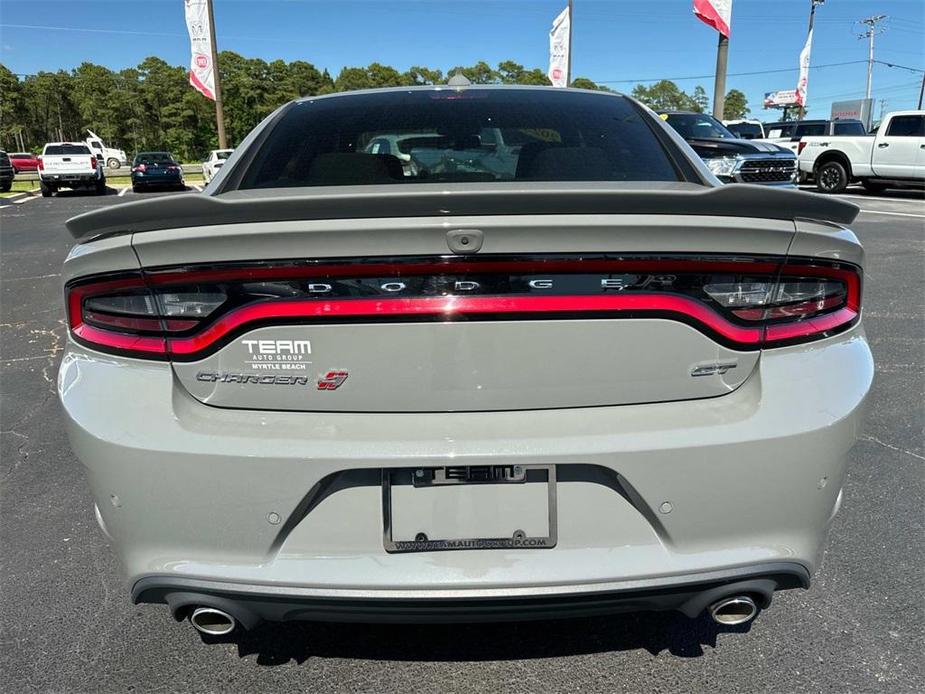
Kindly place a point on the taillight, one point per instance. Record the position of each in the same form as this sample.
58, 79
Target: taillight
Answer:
93, 162
41, 164
186, 313
800, 147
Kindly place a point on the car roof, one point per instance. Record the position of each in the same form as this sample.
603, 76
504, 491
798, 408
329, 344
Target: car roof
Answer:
446, 88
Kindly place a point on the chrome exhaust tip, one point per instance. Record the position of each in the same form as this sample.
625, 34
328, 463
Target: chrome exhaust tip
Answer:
208, 620
734, 610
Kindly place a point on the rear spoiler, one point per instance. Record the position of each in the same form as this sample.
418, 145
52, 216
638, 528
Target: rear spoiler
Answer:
438, 200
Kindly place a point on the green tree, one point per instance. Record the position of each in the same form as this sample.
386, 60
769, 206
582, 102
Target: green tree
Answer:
665, 96
480, 73
11, 106
422, 76
509, 72
374, 76
585, 83
700, 99
736, 105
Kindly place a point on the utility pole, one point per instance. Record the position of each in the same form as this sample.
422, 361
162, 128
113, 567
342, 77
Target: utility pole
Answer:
568, 67
871, 31
219, 112
719, 84
921, 92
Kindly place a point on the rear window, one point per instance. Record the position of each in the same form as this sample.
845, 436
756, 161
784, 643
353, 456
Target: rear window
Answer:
154, 158
851, 127
809, 130
432, 136
778, 130
67, 149
746, 131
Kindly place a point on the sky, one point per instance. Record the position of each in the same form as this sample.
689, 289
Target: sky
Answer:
615, 42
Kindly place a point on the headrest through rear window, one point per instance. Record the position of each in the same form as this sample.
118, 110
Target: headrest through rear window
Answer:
570, 164
350, 168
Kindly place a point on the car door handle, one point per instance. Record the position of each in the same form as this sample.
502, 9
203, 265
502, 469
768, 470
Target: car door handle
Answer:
883, 144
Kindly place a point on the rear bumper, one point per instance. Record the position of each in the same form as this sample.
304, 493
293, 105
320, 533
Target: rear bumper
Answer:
191, 492
65, 179
252, 604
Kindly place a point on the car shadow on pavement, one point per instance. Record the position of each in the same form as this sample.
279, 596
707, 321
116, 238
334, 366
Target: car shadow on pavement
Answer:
83, 193
278, 644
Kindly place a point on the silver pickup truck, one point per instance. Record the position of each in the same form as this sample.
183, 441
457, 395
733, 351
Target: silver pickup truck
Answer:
70, 165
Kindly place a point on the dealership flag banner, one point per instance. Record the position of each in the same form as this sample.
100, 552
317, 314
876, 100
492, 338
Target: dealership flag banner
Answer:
201, 74
558, 50
804, 70
716, 13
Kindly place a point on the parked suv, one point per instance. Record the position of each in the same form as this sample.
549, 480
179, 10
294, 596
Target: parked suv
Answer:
733, 160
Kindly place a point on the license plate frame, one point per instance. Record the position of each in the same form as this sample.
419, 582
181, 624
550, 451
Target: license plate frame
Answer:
479, 475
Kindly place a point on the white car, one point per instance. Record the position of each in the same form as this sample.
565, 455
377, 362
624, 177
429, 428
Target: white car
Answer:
893, 157
214, 162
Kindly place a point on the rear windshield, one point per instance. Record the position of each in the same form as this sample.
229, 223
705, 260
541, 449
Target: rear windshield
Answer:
849, 127
223, 154
746, 131
154, 158
433, 136
67, 149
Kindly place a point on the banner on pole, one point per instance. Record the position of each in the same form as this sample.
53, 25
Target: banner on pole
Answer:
559, 49
716, 13
202, 72
803, 84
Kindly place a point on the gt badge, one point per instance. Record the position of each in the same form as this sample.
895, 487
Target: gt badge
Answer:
332, 380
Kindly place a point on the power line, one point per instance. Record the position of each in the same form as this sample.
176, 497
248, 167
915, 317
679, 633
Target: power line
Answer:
731, 74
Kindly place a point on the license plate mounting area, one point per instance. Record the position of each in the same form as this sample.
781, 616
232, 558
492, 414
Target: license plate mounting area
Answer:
466, 507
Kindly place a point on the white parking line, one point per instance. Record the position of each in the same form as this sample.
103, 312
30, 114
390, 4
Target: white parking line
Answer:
895, 214
24, 200
124, 191
199, 188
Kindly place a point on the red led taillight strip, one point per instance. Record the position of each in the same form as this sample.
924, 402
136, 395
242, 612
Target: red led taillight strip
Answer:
457, 306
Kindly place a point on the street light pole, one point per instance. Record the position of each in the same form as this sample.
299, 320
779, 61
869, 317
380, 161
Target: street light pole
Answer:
219, 112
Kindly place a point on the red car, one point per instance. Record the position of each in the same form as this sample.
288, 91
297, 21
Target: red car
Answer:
24, 161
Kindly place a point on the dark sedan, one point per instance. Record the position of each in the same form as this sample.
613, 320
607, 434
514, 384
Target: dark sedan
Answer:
156, 170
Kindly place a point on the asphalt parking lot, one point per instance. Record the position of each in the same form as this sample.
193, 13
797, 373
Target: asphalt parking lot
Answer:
68, 625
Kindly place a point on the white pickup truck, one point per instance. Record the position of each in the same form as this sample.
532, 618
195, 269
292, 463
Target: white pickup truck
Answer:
70, 165
893, 157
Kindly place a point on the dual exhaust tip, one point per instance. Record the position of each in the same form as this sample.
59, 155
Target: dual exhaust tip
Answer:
730, 611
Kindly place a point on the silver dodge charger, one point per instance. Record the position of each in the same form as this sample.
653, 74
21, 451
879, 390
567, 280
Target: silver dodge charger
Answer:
461, 354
